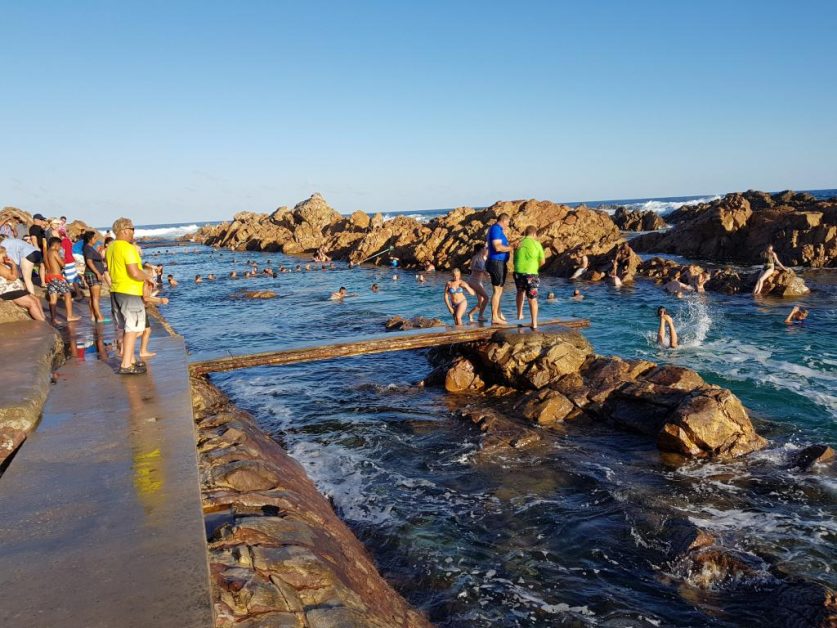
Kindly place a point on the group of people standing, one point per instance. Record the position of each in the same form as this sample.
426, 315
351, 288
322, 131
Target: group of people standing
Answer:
490, 261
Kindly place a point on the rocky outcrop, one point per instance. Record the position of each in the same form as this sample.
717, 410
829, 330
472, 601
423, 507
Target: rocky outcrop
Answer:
557, 378
811, 455
30, 351
10, 313
399, 323
278, 554
448, 241
638, 220
739, 227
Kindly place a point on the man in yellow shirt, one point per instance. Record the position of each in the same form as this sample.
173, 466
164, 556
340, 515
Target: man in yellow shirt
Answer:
127, 279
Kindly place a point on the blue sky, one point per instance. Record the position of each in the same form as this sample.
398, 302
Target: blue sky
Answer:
177, 111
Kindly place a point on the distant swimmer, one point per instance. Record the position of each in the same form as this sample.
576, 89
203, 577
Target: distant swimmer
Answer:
341, 294
420, 278
771, 260
550, 297
455, 299
374, 287
172, 281
298, 268
233, 275
429, 267
210, 277
577, 296
665, 320
797, 315
198, 279
307, 267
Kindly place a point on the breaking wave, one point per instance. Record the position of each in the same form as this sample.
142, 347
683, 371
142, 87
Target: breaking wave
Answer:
165, 232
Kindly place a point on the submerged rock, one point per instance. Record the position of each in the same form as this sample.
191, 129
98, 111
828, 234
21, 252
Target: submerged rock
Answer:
671, 404
399, 323
811, 455
257, 294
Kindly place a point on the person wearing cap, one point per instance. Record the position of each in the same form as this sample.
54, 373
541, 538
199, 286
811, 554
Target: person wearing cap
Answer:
127, 281
37, 233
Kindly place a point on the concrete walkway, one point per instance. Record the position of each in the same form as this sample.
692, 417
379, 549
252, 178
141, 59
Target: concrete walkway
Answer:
100, 514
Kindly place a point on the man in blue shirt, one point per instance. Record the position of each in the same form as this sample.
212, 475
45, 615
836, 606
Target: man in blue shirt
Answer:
497, 264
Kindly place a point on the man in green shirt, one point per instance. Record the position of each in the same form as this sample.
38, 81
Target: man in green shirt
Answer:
528, 258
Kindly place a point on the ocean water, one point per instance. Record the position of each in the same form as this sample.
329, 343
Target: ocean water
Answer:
570, 534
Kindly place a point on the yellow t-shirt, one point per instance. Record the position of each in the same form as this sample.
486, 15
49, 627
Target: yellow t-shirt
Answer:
121, 253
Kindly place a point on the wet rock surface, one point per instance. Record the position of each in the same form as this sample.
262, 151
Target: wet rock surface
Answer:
739, 227
670, 404
31, 350
278, 553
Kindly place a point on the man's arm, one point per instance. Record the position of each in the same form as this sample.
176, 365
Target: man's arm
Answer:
135, 273
499, 246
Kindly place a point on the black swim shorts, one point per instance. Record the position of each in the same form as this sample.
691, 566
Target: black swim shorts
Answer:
497, 270
528, 284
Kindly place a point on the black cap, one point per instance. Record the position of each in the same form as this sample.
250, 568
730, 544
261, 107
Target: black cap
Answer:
38, 217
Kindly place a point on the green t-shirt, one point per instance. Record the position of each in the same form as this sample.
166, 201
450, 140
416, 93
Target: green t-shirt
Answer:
528, 256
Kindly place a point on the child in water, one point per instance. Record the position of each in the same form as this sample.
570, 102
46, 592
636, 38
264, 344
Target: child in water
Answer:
665, 320
455, 299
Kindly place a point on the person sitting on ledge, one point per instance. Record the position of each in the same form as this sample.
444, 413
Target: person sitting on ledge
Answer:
585, 263
13, 289
666, 321
797, 315
771, 260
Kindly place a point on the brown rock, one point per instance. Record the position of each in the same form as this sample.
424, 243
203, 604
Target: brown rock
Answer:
10, 313
461, 377
547, 407
636, 220
710, 423
257, 294
738, 228
399, 323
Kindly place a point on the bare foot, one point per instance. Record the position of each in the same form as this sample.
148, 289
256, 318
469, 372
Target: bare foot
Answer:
498, 321
150, 354
72, 319
502, 318
470, 318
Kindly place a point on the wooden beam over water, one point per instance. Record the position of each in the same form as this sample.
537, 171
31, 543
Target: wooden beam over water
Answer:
394, 341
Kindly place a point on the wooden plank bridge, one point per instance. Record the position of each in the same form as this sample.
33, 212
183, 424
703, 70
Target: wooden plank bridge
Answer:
393, 341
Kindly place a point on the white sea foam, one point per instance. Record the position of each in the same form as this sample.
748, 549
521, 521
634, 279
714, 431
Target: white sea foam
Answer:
664, 207
165, 233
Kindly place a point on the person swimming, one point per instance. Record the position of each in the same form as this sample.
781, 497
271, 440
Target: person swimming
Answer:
341, 294
797, 315
666, 321
172, 281
374, 287
455, 299
198, 279
577, 296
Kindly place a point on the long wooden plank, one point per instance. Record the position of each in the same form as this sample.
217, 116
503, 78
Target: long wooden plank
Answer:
379, 344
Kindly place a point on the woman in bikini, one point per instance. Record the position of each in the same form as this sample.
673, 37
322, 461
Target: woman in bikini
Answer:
771, 260
455, 298
475, 279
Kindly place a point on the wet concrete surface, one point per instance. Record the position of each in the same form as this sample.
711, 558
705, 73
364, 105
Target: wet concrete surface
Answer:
100, 514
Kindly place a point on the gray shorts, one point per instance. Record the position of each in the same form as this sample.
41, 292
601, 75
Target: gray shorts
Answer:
128, 311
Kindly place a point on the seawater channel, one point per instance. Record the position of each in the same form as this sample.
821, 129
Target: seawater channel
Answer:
570, 535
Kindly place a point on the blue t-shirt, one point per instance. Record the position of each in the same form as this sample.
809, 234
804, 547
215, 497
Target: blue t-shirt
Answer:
17, 249
78, 248
496, 233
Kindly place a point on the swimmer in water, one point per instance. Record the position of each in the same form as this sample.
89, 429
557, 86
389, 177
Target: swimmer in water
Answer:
374, 287
420, 278
172, 281
550, 297
665, 320
210, 277
198, 279
341, 294
233, 275
797, 315
455, 299
577, 296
